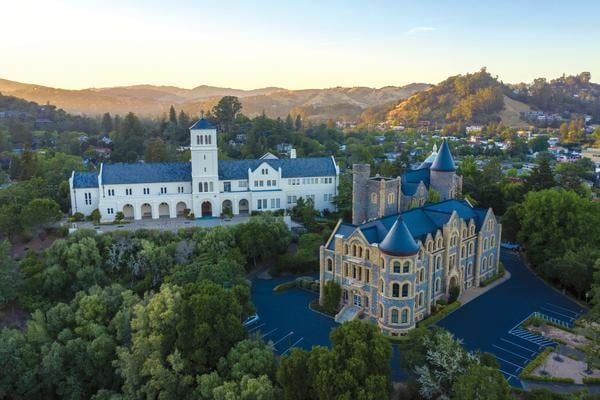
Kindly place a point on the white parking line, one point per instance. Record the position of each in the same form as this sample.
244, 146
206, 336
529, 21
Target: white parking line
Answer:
510, 375
557, 313
292, 346
510, 352
518, 345
289, 334
268, 333
564, 309
255, 328
508, 362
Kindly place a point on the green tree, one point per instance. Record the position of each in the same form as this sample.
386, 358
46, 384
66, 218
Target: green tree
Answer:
172, 116
10, 277
481, 383
263, 236
541, 177
39, 213
156, 151
225, 112
332, 294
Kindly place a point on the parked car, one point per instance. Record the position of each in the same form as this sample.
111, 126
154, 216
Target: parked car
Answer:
510, 246
251, 320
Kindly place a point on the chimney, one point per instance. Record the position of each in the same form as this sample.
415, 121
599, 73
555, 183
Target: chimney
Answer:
292, 153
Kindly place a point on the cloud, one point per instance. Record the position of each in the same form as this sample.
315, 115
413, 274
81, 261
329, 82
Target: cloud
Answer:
419, 29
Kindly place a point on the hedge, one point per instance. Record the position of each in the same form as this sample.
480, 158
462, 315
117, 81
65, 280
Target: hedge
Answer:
432, 319
537, 321
591, 380
527, 372
500, 274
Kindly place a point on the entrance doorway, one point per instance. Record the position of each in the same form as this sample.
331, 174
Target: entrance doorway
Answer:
207, 209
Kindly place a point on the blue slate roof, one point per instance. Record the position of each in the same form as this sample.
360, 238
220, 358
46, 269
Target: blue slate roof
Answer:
418, 221
83, 180
290, 167
444, 161
203, 123
399, 241
120, 173
410, 180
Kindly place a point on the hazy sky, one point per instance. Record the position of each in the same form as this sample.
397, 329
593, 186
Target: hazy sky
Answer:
302, 44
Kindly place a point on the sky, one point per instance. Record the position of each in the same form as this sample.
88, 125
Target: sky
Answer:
296, 45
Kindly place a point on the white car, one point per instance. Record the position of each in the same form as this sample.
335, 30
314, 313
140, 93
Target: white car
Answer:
510, 246
251, 320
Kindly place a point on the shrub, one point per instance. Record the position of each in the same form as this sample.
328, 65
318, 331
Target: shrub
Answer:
332, 293
591, 380
94, 216
453, 294
77, 217
119, 216
284, 286
439, 314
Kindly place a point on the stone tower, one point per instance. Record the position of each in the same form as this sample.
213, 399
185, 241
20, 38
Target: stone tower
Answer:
443, 173
373, 197
360, 195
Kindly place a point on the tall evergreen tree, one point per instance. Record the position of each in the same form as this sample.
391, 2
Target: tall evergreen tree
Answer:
541, 177
172, 116
107, 123
289, 122
298, 122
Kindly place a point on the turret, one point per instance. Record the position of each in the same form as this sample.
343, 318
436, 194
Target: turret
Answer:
442, 172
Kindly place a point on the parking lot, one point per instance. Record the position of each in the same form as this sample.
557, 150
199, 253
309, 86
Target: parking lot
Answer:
492, 322
285, 319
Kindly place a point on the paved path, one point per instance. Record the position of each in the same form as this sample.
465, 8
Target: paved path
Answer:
474, 292
490, 322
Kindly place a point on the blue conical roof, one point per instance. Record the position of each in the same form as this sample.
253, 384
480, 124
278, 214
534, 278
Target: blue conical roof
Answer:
202, 123
399, 241
443, 161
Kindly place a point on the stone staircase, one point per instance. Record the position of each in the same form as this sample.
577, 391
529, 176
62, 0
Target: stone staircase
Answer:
348, 313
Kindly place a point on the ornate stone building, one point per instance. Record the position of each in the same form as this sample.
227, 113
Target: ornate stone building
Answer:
394, 267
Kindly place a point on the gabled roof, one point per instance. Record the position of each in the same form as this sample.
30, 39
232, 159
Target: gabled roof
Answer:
83, 180
121, 173
418, 222
290, 168
443, 160
203, 123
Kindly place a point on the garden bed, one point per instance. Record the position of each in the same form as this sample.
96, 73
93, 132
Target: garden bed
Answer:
560, 335
558, 368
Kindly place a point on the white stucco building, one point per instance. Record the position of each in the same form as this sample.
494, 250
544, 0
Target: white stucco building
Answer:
205, 186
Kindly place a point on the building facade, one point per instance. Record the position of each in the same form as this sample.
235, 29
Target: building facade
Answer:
205, 186
396, 266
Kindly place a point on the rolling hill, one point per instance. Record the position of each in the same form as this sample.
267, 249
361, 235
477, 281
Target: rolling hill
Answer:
345, 104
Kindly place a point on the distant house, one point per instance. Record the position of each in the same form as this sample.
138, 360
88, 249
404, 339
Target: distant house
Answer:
106, 140
284, 147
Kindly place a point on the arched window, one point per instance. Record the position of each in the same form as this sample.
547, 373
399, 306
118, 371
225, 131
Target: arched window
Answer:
380, 311
437, 285
404, 318
438, 262
469, 269
200, 186
396, 290
329, 265
471, 248
360, 251
394, 316
421, 299
345, 249
492, 241
484, 264
430, 247
206, 186
382, 262
417, 277
464, 232
491, 263
439, 243
472, 229
485, 244
406, 267
381, 285
463, 251
405, 290
396, 267
367, 254
354, 250
374, 198
390, 198
422, 274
